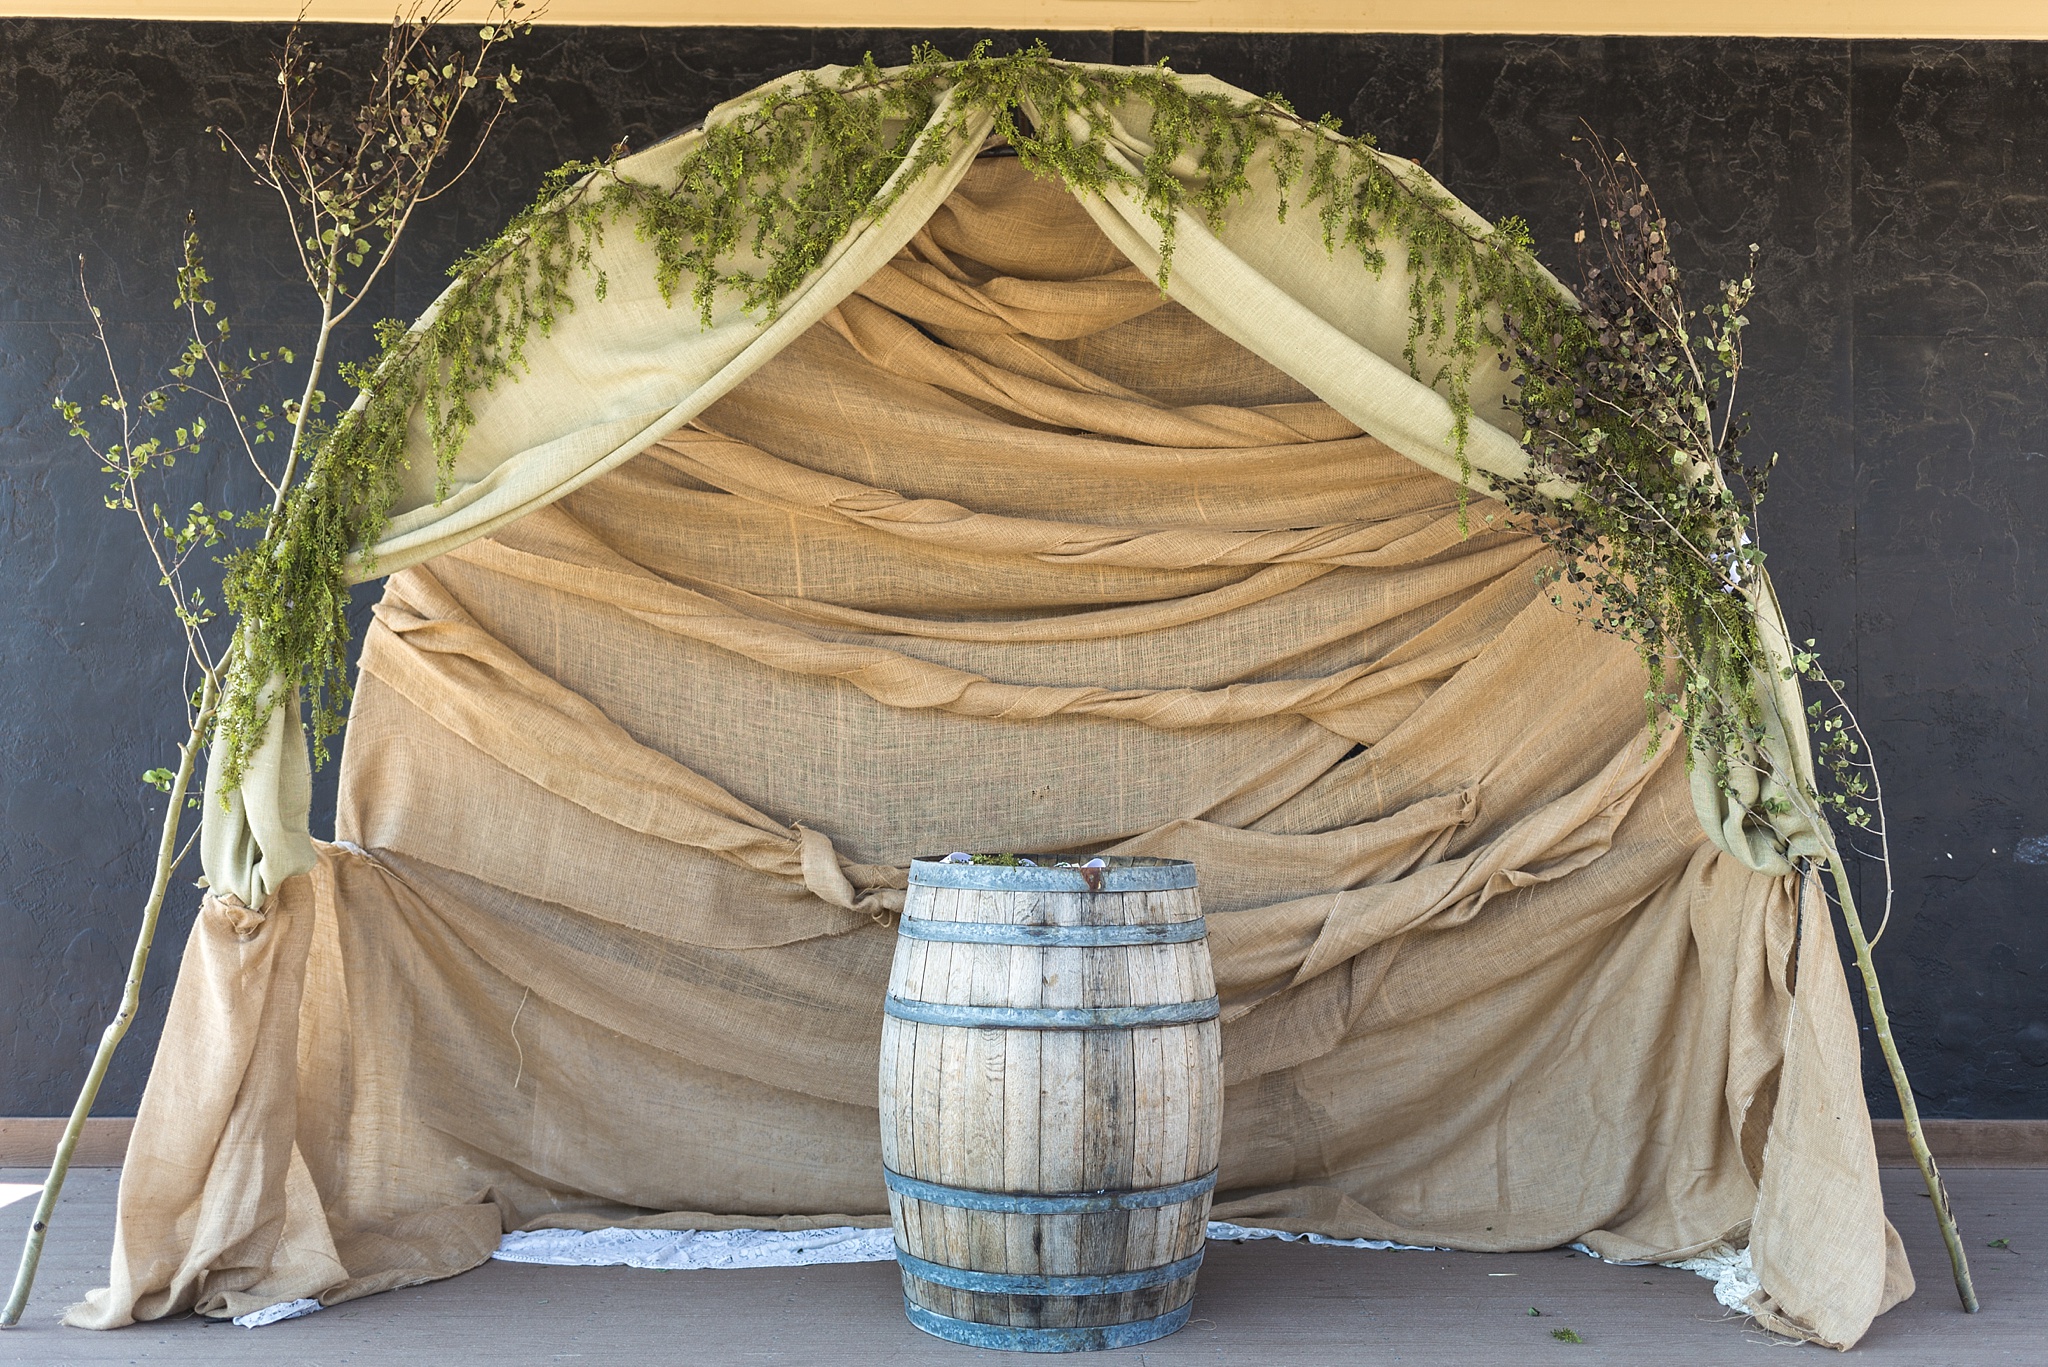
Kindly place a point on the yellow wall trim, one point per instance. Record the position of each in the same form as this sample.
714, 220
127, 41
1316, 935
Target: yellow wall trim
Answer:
2021, 19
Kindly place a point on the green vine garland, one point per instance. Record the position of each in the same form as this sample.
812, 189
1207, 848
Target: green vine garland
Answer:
787, 178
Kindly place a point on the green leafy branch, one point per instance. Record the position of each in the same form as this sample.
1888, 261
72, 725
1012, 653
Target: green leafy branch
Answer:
1631, 400
136, 459
349, 188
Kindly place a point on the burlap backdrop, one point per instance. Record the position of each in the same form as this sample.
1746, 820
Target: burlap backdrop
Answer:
1006, 552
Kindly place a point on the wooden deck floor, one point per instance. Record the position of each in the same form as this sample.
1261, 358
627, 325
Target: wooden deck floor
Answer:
1257, 1303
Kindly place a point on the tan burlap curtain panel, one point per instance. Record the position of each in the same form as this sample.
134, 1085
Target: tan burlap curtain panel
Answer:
984, 544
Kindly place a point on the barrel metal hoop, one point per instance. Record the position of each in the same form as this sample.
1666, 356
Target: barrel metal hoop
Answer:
1051, 1017
994, 933
1163, 875
1054, 1340
1047, 1284
1037, 1203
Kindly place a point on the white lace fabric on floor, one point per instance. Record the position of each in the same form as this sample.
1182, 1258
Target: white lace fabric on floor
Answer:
690, 1250
680, 1250
1730, 1270
686, 1250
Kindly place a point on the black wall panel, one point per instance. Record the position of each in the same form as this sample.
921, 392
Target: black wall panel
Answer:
1898, 359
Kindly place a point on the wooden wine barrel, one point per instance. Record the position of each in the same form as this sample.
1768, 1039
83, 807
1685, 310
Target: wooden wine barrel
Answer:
1051, 1102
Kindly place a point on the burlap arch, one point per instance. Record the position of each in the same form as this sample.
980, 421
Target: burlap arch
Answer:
981, 541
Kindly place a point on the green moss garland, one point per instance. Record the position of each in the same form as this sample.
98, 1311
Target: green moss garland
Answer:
786, 179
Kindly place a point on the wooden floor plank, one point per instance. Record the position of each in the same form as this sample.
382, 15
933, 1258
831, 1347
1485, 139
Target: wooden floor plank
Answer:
1255, 1303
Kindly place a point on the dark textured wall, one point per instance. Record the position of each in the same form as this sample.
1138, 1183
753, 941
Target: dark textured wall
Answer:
1897, 360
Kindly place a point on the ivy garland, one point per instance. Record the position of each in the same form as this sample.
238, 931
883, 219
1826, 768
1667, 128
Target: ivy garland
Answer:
787, 178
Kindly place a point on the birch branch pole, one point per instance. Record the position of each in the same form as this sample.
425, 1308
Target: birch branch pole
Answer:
168, 854
349, 174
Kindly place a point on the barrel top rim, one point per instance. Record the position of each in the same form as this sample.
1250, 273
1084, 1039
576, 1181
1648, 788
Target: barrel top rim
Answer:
1122, 873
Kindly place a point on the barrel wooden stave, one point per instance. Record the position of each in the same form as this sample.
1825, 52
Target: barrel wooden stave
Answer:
1050, 1110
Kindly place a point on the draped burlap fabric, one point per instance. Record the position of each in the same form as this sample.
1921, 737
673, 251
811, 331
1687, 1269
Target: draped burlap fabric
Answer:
1004, 552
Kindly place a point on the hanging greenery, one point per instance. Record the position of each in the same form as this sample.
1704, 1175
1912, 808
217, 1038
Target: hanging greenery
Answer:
777, 187
1635, 410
